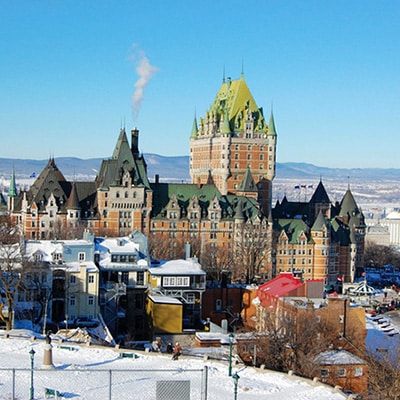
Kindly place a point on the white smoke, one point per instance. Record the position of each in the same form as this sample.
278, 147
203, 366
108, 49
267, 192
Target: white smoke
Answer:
145, 71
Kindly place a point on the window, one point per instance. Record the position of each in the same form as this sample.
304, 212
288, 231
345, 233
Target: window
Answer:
341, 372
324, 373
90, 300
191, 298
218, 305
72, 301
169, 281
72, 279
140, 278
81, 256
91, 278
358, 371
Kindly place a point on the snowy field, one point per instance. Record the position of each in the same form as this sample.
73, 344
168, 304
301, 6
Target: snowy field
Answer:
83, 372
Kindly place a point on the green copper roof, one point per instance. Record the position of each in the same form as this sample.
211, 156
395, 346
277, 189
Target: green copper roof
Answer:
271, 125
13, 190
348, 205
293, 228
195, 129
231, 105
319, 223
247, 184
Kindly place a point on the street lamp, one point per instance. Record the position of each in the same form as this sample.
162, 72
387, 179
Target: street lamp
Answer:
231, 336
235, 379
32, 353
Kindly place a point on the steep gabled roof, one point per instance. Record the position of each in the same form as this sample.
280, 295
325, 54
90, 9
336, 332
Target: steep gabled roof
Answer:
123, 159
292, 227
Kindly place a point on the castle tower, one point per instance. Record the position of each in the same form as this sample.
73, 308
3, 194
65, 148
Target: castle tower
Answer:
232, 138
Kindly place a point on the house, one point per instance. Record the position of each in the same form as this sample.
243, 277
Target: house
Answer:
344, 369
123, 263
182, 280
64, 273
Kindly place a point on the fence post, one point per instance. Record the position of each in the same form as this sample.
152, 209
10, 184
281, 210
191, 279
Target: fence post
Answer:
13, 384
204, 383
110, 385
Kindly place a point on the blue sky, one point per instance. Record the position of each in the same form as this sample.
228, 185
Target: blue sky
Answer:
329, 69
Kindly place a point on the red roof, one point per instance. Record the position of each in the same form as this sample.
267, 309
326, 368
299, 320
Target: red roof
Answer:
282, 286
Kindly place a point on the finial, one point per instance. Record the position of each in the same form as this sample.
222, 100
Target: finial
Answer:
242, 67
223, 74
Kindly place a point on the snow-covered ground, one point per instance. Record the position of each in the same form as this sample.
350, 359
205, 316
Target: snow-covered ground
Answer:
82, 372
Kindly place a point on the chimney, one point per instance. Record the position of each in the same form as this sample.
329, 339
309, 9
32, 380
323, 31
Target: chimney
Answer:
157, 179
135, 141
187, 251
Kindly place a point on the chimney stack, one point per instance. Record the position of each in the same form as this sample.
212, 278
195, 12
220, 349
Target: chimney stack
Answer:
135, 141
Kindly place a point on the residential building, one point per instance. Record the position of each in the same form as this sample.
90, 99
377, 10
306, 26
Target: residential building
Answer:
123, 263
64, 273
182, 280
344, 369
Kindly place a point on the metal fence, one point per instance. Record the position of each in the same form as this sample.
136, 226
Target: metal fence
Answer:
73, 383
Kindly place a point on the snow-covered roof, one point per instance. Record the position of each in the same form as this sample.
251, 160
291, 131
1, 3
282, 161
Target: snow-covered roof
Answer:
393, 215
338, 357
177, 267
76, 265
123, 245
164, 299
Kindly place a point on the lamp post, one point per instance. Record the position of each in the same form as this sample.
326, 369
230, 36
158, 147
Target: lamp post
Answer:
235, 379
231, 336
32, 354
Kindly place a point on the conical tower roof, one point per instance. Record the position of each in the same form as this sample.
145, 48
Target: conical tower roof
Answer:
195, 129
348, 205
320, 196
247, 184
73, 201
319, 223
13, 190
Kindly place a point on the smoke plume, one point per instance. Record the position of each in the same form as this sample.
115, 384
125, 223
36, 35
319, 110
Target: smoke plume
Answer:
145, 72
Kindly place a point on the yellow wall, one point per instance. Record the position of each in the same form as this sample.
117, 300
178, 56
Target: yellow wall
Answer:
164, 317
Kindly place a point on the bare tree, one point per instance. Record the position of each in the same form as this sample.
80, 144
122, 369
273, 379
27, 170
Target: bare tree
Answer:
383, 375
11, 266
252, 247
215, 260
379, 255
292, 341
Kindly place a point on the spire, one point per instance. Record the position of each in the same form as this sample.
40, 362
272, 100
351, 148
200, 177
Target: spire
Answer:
319, 223
73, 201
195, 129
13, 191
248, 184
271, 125
242, 74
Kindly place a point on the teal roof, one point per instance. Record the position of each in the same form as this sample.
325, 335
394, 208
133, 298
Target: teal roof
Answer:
293, 228
247, 184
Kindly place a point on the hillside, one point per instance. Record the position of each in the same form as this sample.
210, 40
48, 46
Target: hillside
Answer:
373, 186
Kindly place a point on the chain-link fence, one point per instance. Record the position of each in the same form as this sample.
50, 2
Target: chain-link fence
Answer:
72, 383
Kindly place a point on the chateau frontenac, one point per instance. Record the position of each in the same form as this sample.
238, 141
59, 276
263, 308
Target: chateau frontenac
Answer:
225, 213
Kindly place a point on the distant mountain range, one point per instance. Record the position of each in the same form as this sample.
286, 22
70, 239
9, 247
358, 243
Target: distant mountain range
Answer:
177, 169
372, 187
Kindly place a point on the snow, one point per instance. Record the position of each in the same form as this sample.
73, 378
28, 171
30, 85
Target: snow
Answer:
71, 361
177, 267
